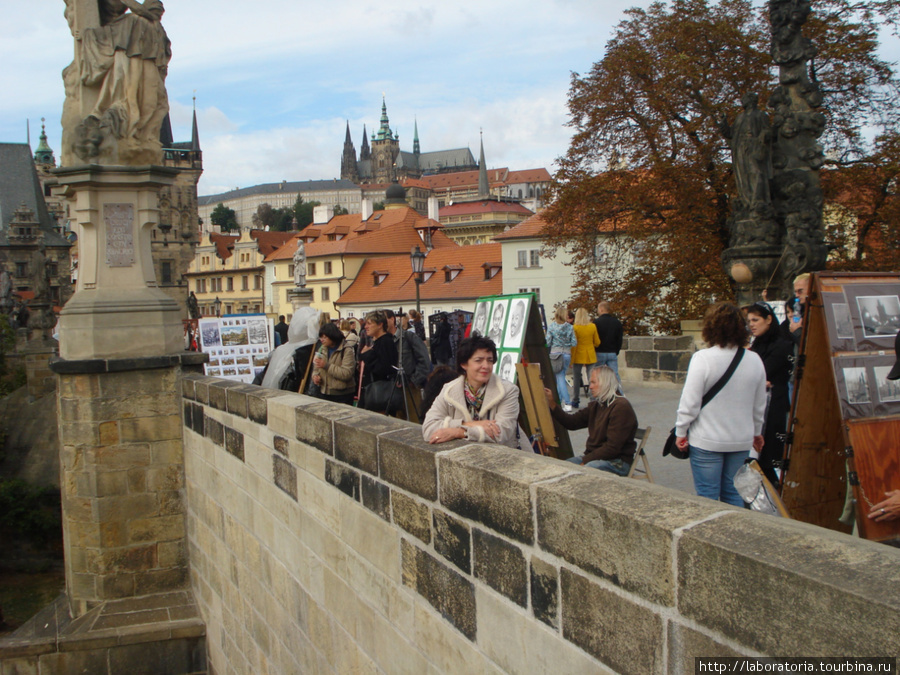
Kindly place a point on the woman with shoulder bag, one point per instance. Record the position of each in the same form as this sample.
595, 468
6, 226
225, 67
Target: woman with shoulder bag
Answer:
335, 366
722, 430
584, 354
560, 340
380, 359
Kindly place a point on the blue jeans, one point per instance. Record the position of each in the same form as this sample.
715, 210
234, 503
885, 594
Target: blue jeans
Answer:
610, 359
714, 474
617, 466
562, 387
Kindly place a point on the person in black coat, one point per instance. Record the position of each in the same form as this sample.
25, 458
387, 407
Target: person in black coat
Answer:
441, 350
775, 350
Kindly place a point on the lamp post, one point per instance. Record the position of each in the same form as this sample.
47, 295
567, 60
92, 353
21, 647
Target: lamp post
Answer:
417, 259
218, 305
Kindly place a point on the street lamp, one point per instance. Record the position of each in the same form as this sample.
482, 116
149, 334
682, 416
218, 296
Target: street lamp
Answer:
218, 305
417, 259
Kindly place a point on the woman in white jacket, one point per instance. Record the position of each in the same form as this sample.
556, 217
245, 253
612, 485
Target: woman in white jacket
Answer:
478, 405
721, 433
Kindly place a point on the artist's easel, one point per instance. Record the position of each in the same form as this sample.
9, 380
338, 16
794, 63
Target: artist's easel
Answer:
536, 408
826, 448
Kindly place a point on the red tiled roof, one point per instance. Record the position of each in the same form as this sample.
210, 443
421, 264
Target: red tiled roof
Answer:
389, 231
483, 206
463, 178
223, 243
530, 228
269, 242
529, 176
400, 285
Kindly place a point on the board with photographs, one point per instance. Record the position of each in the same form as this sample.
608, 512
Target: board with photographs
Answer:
238, 345
514, 323
845, 414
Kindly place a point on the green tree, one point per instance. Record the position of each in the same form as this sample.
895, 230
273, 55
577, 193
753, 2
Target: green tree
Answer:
647, 164
340, 210
224, 217
303, 212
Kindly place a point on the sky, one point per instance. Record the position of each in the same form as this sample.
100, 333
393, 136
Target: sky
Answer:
276, 80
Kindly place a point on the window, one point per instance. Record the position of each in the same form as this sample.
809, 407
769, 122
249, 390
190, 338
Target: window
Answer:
206, 260
257, 282
600, 257
21, 269
536, 291
311, 269
230, 283
326, 294
165, 269
327, 265
53, 269
529, 258
245, 283
535, 258
290, 271
199, 286
229, 309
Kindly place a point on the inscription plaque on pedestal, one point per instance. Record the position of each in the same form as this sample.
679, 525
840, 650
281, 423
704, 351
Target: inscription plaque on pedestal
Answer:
119, 219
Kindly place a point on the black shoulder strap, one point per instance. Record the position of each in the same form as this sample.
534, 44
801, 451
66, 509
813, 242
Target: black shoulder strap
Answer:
717, 387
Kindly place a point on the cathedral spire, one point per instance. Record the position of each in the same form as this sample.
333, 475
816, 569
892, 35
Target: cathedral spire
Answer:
384, 131
349, 168
195, 133
416, 149
347, 138
484, 190
364, 152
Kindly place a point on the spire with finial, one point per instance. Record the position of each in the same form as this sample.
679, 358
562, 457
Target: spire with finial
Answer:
484, 190
384, 131
364, 151
416, 150
43, 154
195, 134
349, 170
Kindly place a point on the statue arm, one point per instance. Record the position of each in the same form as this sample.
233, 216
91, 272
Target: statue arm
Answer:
149, 9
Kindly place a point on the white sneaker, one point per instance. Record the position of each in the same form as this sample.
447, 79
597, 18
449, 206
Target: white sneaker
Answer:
567, 408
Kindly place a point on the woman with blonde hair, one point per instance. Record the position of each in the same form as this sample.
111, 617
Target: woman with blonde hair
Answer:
584, 353
560, 340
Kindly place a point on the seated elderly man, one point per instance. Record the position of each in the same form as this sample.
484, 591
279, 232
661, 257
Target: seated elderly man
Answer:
610, 421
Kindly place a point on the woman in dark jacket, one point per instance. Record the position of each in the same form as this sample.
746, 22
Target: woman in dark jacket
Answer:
776, 351
380, 363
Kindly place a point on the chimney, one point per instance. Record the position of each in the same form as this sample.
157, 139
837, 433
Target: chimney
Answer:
322, 214
367, 209
433, 209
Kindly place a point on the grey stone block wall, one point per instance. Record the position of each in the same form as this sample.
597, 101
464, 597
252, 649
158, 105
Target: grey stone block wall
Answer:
338, 541
662, 359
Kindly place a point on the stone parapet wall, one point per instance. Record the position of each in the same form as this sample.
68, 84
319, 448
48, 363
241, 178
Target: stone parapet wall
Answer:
661, 360
327, 539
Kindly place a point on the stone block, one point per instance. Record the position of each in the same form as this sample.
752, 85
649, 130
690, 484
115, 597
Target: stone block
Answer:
147, 429
411, 515
236, 400
167, 452
617, 529
641, 359
687, 644
115, 585
187, 388
670, 360
109, 483
161, 581
729, 571
125, 507
161, 528
451, 594
184, 655
492, 485
501, 565
257, 403
234, 443
197, 418
453, 540
165, 479
622, 634
315, 423
214, 431
376, 496
127, 456
88, 661
641, 344
171, 554
24, 665
356, 439
407, 461
127, 559
545, 592
218, 394
343, 478
280, 444
201, 391
79, 386
285, 476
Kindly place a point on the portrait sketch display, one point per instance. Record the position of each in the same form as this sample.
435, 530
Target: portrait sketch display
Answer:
505, 368
497, 321
482, 315
515, 325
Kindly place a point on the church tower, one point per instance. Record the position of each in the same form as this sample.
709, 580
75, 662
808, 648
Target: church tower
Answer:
364, 152
349, 170
385, 149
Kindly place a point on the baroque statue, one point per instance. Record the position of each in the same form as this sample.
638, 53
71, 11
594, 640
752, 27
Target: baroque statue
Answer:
116, 97
300, 265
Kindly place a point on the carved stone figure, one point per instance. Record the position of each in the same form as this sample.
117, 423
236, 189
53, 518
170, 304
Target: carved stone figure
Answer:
193, 306
42, 319
750, 141
6, 300
300, 266
115, 87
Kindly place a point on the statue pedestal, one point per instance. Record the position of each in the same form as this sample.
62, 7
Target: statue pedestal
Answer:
753, 267
300, 297
117, 311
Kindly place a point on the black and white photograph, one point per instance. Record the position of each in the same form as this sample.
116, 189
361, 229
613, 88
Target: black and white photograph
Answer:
506, 366
843, 325
479, 323
498, 320
888, 390
209, 334
857, 383
515, 327
879, 314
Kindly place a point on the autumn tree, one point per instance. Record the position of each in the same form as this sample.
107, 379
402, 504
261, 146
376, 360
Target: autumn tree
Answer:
224, 217
646, 183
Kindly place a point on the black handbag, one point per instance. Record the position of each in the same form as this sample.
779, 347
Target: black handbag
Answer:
382, 396
670, 447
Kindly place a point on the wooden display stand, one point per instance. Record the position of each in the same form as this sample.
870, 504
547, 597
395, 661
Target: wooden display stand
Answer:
845, 417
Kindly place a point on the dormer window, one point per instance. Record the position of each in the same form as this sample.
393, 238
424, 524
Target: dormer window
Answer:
451, 272
379, 277
491, 270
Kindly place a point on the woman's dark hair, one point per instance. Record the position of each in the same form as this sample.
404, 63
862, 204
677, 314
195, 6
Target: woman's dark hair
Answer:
791, 303
378, 317
724, 326
333, 333
469, 346
761, 309
436, 381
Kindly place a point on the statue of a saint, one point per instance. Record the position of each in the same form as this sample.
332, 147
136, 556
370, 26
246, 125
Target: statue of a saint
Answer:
750, 141
6, 288
300, 265
193, 306
115, 88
